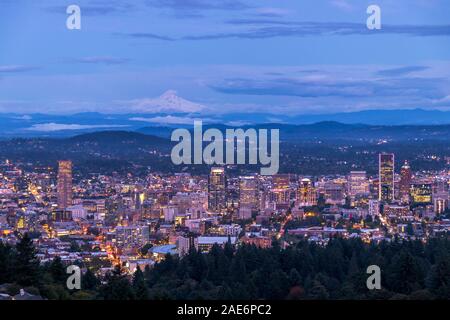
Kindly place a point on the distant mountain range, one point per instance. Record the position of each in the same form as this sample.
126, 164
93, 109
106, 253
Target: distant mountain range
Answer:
372, 123
321, 131
330, 130
373, 117
322, 148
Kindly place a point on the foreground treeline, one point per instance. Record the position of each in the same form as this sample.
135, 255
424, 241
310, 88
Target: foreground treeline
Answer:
409, 270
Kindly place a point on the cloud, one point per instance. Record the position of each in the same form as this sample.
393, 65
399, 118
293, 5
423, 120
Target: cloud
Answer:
146, 35
401, 71
101, 60
275, 120
442, 101
238, 123
271, 12
195, 9
96, 8
24, 117
266, 28
51, 127
342, 4
199, 4
169, 120
330, 87
16, 68
291, 87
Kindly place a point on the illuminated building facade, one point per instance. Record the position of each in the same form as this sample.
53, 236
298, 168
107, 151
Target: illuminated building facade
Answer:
421, 192
334, 193
440, 204
131, 236
357, 184
205, 243
306, 193
405, 182
386, 177
64, 184
217, 189
281, 190
396, 211
248, 192
374, 207
440, 196
186, 243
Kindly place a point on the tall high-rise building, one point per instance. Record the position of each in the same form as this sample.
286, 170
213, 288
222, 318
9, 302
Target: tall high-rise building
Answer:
357, 183
333, 192
440, 196
64, 185
281, 191
386, 163
217, 189
306, 193
405, 182
248, 192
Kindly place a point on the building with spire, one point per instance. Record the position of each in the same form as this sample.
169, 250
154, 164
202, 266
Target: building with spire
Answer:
386, 163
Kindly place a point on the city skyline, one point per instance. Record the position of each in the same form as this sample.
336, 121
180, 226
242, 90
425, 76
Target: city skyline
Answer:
135, 221
232, 150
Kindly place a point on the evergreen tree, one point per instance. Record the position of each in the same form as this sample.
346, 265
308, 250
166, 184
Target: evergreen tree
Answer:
139, 286
27, 269
57, 271
304, 271
117, 286
318, 291
238, 271
225, 292
148, 276
6, 263
438, 279
89, 281
228, 249
405, 274
197, 265
295, 279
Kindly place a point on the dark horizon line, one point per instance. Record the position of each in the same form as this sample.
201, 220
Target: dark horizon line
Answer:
230, 113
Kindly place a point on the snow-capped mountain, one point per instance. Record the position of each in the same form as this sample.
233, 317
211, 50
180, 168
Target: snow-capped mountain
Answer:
168, 102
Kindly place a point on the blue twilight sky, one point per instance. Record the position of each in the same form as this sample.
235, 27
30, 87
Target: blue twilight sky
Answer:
223, 56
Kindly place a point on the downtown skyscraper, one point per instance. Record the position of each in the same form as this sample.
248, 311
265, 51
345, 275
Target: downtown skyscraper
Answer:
386, 163
281, 191
357, 184
248, 192
64, 185
306, 193
405, 182
217, 189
